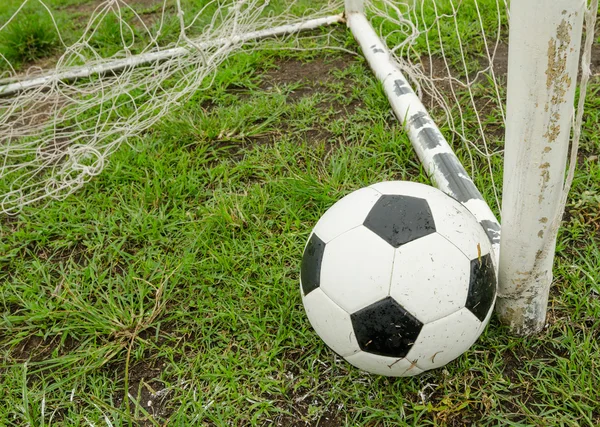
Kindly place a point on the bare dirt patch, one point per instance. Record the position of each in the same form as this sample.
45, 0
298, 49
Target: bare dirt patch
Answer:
36, 349
146, 3
304, 405
311, 75
482, 95
148, 392
437, 68
149, 12
90, 6
37, 112
595, 65
85, 8
148, 395
500, 59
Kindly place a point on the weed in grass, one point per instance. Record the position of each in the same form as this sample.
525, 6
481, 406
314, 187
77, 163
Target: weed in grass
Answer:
29, 37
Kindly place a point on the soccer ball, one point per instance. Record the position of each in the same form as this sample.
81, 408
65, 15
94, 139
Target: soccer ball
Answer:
398, 278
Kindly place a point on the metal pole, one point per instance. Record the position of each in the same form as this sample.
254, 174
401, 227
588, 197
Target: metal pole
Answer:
544, 45
354, 6
431, 147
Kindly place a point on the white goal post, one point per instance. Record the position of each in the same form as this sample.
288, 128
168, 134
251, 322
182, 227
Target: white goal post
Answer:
431, 147
544, 49
544, 46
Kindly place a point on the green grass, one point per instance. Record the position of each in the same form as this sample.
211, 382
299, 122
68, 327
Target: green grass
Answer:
174, 275
32, 35
29, 38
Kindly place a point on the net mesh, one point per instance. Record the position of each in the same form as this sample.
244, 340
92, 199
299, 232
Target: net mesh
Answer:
455, 52
456, 55
118, 78
59, 132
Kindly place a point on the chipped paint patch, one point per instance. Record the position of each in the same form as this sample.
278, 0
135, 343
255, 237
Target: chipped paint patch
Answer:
401, 87
461, 188
558, 83
376, 49
430, 138
420, 119
492, 229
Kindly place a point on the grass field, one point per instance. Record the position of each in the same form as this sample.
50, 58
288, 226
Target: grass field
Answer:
165, 292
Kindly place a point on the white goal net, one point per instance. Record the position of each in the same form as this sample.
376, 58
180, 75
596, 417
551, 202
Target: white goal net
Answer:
118, 77
61, 119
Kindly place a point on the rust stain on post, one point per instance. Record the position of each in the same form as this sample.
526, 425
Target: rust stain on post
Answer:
553, 132
557, 62
558, 83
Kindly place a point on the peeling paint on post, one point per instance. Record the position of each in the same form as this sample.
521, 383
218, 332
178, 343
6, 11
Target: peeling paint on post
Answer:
542, 71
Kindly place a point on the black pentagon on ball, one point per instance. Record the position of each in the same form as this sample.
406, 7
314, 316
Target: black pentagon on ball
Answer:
385, 328
310, 272
482, 286
400, 219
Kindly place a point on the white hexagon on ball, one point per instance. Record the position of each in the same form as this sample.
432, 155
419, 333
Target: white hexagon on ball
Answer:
357, 267
398, 278
346, 214
445, 339
436, 291
459, 226
331, 322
